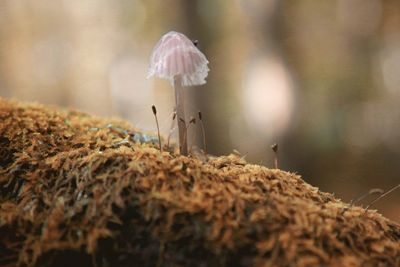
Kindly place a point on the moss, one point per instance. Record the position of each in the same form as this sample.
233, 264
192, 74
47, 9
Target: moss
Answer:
75, 192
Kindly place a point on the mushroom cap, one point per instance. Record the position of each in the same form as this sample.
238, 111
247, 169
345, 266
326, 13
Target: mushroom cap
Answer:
176, 55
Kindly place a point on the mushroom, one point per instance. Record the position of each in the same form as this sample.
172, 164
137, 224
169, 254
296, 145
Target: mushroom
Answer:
177, 59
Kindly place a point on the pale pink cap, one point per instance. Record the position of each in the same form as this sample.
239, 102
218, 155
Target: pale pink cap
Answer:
176, 55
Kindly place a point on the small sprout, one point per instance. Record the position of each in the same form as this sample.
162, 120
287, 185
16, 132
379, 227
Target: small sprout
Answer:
274, 148
203, 132
153, 108
382, 196
363, 196
360, 198
177, 59
239, 154
236, 152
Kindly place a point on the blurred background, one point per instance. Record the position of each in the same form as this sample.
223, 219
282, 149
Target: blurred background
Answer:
320, 78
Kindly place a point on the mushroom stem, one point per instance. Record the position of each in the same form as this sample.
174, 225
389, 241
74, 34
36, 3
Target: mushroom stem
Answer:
180, 113
172, 127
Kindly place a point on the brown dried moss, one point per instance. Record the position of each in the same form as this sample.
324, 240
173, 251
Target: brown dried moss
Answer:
73, 194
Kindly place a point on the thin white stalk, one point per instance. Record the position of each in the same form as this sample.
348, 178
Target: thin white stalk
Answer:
180, 113
171, 128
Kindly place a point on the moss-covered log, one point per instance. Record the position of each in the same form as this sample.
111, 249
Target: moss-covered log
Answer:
77, 192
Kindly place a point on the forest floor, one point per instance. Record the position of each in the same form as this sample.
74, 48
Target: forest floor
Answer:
77, 190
